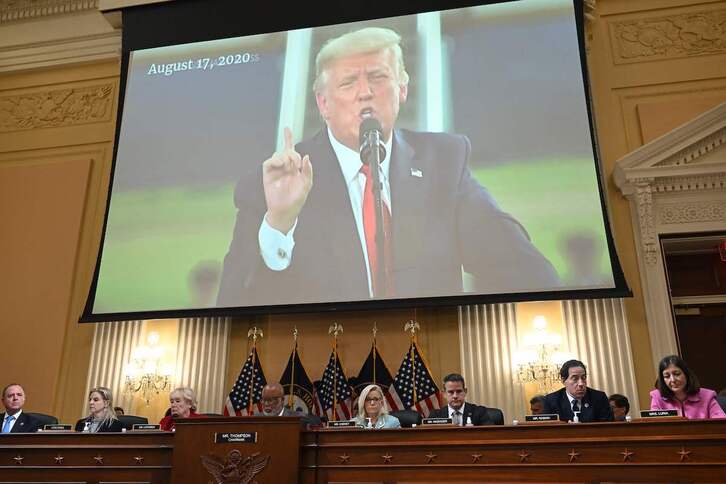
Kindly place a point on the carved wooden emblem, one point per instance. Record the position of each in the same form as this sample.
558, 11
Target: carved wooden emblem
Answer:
56, 107
235, 470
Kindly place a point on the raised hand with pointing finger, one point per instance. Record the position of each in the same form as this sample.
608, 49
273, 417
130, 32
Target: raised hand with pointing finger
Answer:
287, 179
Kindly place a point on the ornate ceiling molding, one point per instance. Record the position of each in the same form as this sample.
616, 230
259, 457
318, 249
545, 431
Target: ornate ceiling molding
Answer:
693, 212
11, 10
70, 51
669, 36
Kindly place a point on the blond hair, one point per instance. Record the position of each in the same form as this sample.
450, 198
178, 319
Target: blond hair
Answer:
369, 39
106, 396
362, 401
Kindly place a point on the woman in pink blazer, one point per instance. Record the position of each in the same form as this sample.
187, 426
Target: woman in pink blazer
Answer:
678, 389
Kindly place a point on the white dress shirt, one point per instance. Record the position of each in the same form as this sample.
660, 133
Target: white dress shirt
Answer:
461, 414
572, 399
276, 248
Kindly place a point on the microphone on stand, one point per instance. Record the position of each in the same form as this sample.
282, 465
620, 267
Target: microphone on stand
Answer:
371, 137
372, 153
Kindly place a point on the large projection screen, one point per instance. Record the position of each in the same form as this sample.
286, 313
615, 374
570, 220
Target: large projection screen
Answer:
490, 179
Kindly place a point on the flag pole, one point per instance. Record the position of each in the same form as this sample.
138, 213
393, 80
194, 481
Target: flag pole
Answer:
290, 399
411, 327
335, 329
375, 352
253, 333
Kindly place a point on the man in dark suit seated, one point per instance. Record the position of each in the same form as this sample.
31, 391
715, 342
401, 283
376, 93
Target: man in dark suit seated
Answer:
458, 409
576, 401
14, 420
273, 405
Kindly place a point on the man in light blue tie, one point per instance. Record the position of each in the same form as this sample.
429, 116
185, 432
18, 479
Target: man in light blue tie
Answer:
14, 420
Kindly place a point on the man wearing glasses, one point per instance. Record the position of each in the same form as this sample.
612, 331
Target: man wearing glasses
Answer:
273, 399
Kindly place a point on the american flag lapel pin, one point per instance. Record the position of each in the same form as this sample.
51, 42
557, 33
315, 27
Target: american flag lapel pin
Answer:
416, 172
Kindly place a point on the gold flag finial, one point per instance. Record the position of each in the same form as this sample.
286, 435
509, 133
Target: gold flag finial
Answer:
254, 333
412, 327
335, 329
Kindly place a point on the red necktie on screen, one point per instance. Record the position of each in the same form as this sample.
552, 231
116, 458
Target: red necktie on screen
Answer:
369, 227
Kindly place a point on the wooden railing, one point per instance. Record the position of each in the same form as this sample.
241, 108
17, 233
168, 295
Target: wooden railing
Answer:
276, 451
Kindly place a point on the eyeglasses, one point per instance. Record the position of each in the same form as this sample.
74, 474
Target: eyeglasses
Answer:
373, 399
271, 399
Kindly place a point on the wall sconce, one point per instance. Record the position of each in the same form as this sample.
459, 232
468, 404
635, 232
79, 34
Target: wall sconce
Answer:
539, 360
145, 374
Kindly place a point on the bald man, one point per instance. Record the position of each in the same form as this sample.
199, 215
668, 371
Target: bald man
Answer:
273, 399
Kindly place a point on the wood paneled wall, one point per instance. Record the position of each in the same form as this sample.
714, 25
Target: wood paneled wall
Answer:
56, 140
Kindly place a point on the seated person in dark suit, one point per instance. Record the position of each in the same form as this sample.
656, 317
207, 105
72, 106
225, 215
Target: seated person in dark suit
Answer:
536, 405
620, 405
458, 409
576, 398
273, 405
13, 420
101, 417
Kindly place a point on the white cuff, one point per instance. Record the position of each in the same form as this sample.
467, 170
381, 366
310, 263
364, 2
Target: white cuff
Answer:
276, 247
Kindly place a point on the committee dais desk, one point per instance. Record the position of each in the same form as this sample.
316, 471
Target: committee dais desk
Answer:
274, 450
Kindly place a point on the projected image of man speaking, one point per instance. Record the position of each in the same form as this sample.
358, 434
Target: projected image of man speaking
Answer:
313, 226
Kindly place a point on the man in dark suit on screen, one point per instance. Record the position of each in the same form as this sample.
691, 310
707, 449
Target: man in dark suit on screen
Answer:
576, 402
298, 241
14, 420
462, 412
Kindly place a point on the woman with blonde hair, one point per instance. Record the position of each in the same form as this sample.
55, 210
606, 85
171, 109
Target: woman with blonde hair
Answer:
101, 417
373, 410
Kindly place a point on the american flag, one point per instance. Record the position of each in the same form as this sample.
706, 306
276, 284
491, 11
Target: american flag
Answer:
237, 402
413, 370
334, 381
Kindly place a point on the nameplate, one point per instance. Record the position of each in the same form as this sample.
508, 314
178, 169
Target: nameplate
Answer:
437, 421
146, 427
658, 413
336, 424
57, 427
243, 437
545, 417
